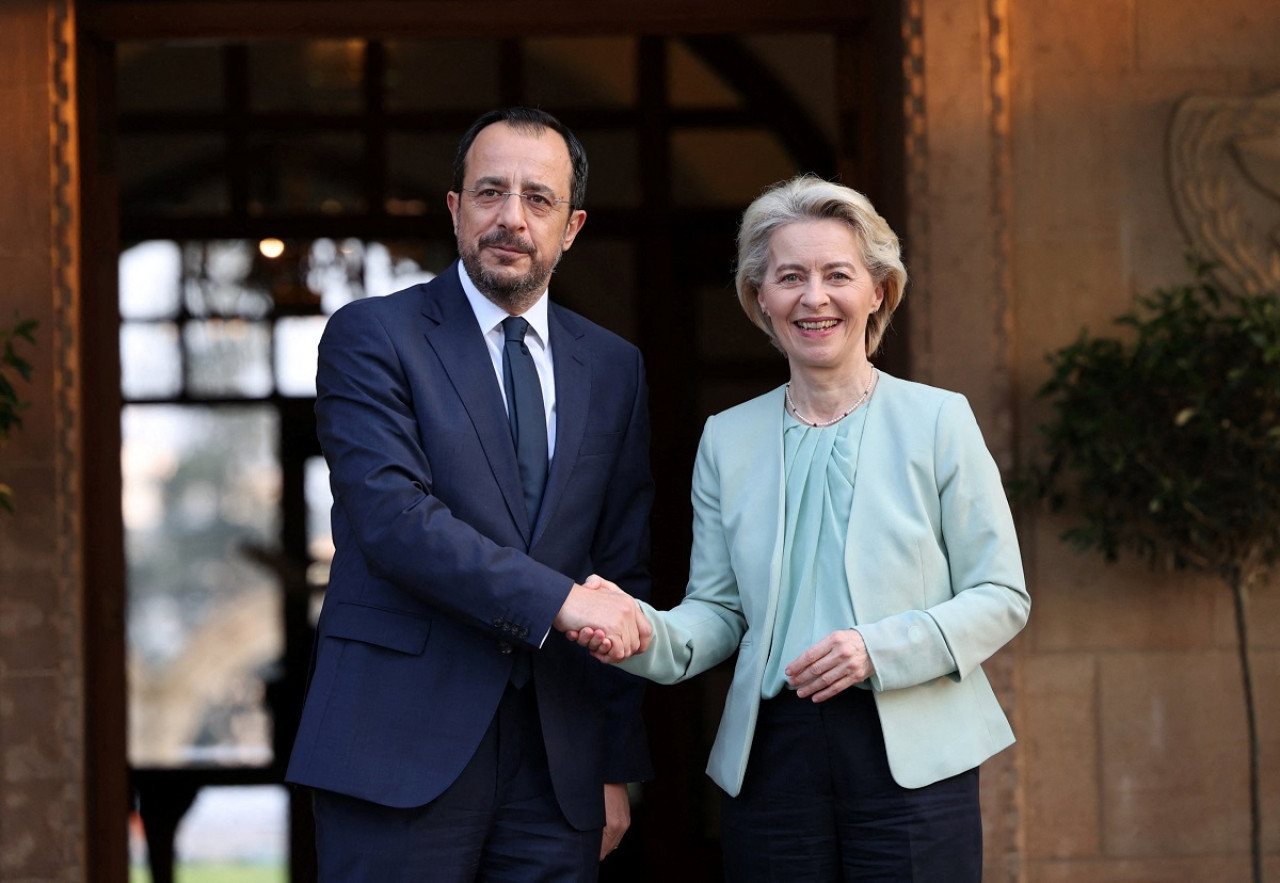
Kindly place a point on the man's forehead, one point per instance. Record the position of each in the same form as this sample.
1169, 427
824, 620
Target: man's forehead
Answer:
500, 151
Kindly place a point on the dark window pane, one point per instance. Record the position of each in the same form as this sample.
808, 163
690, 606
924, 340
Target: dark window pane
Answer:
442, 74
322, 76
580, 71
597, 279
614, 181
180, 77
307, 174
173, 175
420, 171
691, 84
716, 167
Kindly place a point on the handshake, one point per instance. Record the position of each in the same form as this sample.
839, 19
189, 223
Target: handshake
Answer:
605, 620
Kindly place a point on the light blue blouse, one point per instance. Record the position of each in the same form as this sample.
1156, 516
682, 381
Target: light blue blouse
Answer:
819, 468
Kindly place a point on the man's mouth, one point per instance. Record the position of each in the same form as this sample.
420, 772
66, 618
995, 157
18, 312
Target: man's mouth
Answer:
507, 244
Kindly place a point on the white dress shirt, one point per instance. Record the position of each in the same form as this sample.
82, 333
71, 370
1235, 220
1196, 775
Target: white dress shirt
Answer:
537, 339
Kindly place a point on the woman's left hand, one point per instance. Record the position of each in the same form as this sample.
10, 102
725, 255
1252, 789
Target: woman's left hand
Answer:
836, 662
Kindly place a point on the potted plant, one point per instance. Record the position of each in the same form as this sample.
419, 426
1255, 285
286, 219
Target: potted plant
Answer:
1165, 443
11, 405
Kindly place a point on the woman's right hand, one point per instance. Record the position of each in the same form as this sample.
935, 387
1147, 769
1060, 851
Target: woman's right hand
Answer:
831, 666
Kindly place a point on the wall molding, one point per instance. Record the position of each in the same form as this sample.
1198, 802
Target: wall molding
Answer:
65, 279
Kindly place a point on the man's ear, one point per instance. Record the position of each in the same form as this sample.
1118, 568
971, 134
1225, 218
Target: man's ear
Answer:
451, 199
576, 220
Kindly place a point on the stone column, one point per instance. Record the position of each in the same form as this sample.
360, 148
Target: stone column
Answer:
958, 251
41, 676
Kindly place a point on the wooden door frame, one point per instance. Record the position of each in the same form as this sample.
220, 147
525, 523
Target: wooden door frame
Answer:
102, 24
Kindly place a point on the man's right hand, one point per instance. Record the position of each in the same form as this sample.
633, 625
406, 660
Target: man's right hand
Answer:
611, 615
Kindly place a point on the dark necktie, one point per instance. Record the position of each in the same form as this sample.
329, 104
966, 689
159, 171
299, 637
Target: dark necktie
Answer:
527, 413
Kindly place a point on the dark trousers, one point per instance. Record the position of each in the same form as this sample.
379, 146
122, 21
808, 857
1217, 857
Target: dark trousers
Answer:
818, 804
498, 822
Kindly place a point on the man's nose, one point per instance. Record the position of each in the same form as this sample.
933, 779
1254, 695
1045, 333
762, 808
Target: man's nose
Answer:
511, 211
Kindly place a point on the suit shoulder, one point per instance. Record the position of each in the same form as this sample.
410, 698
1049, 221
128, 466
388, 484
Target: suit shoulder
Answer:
596, 336
406, 301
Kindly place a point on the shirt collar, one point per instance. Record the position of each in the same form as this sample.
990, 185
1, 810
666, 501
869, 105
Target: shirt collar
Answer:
490, 315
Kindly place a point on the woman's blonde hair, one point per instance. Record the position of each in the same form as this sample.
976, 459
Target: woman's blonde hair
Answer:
809, 198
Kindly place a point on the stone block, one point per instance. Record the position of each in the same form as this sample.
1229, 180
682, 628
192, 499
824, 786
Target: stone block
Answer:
1087, 35
1083, 603
39, 838
24, 175
1154, 870
30, 624
24, 43
28, 540
1188, 35
33, 743
1174, 761
1059, 737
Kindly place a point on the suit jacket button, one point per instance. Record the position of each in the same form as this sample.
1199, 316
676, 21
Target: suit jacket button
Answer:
504, 647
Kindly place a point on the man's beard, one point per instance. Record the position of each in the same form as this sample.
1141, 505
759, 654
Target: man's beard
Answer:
513, 294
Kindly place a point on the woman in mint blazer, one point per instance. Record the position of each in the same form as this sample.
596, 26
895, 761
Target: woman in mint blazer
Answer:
854, 546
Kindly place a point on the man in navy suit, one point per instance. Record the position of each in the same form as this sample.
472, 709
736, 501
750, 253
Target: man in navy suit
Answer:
447, 733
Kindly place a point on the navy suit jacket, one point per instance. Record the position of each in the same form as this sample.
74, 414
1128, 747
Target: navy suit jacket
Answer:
438, 579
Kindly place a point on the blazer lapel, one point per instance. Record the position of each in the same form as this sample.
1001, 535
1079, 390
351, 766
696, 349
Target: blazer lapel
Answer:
573, 396
759, 506
455, 336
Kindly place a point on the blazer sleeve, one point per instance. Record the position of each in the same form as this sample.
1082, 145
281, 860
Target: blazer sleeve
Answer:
382, 481
989, 603
705, 627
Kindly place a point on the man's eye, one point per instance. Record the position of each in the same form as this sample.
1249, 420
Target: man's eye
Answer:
537, 200
488, 193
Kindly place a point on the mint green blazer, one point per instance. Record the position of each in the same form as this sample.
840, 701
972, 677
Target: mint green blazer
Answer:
934, 572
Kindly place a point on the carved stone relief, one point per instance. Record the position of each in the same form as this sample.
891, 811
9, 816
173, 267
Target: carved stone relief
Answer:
1224, 170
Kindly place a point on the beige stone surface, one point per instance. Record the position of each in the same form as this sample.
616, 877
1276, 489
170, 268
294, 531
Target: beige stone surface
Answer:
1082, 603
1174, 762
1176, 35
1214, 869
959, 284
40, 741
1059, 701
30, 637
1090, 35
1266, 672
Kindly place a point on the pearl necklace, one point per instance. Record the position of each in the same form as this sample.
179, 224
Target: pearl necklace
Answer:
814, 423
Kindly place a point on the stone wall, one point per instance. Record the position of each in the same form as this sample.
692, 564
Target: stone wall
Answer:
1041, 197
41, 828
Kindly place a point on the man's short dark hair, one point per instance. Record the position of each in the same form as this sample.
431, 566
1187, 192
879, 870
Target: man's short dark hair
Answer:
533, 121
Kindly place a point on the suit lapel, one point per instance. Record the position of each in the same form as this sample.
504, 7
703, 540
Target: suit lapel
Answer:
454, 334
573, 395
